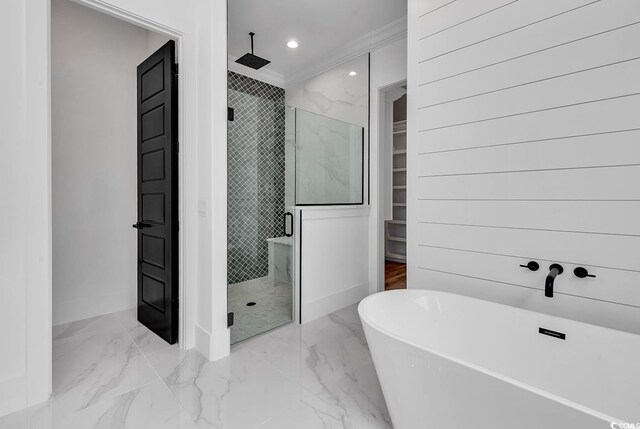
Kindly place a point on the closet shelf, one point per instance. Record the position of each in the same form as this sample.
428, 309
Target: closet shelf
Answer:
395, 229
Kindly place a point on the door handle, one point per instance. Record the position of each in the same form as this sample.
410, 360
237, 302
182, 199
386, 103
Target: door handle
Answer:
286, 223
140, 225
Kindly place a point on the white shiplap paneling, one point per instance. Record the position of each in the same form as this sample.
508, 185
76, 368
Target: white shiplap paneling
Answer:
596, 217
564, 59
483, 265
501, 23
576, 120
458, 12
616, 148
568, 90
586, 22
525, 146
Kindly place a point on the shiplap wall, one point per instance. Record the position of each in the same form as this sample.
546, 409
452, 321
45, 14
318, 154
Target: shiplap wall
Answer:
524, 144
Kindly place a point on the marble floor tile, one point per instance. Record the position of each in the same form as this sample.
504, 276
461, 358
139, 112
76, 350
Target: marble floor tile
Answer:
330, 358
342, 373
163, 357
88, 369
128, 318
310, 412
149, 407
240, 391
112, 372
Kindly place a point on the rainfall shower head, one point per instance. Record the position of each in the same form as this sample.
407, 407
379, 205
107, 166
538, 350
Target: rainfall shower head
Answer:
250, 60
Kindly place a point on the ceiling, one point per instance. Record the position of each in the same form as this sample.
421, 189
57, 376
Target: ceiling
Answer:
321, 27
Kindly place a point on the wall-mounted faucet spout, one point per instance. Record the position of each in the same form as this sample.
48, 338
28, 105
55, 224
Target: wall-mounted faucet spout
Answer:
554, 271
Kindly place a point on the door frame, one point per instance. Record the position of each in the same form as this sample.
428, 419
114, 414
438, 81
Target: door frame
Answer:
185, 305
384, 115
200, 34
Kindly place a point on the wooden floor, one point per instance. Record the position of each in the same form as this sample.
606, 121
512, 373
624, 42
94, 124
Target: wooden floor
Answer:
395, 275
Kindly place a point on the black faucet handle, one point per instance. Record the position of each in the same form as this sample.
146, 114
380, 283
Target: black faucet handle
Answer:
532, 265
582, 272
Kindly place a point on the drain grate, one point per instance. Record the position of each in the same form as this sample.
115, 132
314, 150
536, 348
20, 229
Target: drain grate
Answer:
251, 304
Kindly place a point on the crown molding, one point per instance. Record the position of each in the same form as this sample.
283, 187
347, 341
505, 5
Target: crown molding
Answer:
371, 41
267, 76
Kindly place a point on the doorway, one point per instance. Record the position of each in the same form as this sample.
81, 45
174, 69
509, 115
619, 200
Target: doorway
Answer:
95, 167
259, 221
395, 189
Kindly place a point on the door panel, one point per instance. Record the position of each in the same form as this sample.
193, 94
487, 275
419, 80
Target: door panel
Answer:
260, 242
158, 194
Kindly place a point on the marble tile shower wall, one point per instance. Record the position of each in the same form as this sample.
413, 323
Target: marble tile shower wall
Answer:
256, 175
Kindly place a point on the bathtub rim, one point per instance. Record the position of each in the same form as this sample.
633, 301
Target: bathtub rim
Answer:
591, 412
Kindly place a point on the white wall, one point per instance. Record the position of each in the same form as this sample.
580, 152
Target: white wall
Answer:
25, 247
523, 128
388, 67
200, 27
94, 151
13, 265
333, 259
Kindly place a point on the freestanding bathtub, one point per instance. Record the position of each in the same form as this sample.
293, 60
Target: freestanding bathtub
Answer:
450, 361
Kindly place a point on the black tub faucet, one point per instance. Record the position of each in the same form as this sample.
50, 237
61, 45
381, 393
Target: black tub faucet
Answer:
554, 271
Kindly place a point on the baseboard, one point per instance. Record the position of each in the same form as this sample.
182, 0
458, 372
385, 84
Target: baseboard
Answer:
84, 308
13, 395
211, 346
334, 302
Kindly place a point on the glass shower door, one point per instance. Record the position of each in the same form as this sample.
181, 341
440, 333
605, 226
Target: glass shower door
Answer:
260, 228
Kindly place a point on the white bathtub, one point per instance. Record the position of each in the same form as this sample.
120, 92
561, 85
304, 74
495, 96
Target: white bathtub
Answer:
449, 361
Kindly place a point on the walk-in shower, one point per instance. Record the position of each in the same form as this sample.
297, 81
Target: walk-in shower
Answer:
281, 160
260, 296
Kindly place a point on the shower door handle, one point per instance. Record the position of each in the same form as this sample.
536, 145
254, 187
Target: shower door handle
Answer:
288, 234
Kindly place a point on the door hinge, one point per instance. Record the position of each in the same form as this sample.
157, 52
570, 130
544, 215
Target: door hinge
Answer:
178, 225
177, 147
230, 113
175, 68
229, 319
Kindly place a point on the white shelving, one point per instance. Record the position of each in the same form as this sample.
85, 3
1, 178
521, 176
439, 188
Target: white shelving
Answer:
396, 229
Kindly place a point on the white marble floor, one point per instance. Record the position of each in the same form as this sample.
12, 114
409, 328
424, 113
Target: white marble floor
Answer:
273, 306
111, 372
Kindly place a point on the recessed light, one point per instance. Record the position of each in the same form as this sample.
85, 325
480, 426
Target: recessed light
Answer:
292, 44
352, 73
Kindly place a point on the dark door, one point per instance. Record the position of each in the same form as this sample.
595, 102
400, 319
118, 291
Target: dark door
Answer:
158, 193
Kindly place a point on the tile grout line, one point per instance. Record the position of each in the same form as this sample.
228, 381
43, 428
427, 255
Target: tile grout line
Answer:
144, 356
102, 402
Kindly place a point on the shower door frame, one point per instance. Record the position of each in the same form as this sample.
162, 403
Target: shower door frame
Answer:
294, 313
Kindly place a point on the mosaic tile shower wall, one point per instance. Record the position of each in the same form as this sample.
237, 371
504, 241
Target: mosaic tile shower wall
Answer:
256, 166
